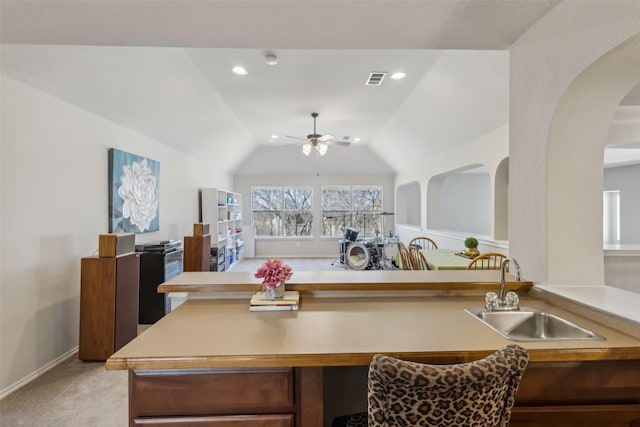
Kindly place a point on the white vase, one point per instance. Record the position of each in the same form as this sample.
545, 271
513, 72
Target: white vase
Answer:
275, 292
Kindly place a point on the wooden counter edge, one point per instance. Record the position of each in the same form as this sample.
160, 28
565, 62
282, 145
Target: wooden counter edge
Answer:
524, 286
361, 359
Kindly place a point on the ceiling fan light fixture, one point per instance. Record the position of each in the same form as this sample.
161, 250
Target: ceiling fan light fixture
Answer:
306, 149
322, 148
239, 70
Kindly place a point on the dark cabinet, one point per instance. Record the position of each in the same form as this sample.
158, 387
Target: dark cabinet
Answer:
156, 268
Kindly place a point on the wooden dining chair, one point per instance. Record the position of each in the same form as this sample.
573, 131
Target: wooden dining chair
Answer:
475, 393
405, 257
418, 260
488, 261
423, 243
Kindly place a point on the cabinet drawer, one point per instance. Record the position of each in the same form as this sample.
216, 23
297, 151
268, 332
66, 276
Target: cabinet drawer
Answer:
275, 420
211, 392
580, 383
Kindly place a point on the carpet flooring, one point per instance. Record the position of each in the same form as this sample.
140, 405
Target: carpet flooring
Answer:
80, 394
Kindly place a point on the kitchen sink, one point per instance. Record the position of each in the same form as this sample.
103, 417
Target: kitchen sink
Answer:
527, 324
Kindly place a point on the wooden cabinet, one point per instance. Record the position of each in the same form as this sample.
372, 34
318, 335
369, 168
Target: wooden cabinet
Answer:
213, 397
223, 210
197, 253
275, 420
108, 304
574, 394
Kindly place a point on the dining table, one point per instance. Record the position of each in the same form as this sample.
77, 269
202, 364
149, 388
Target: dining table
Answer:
443, 259
446, 259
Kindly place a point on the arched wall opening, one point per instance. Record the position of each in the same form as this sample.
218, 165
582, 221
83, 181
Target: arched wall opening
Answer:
408, 204
460, 200
575, 151
501, 201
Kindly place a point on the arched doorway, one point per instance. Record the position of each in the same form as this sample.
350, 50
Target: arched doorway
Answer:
574, 165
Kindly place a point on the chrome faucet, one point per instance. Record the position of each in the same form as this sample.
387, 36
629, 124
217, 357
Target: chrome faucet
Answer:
506, 300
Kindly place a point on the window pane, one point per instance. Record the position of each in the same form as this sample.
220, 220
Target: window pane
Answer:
298, 199
367, 199
267, 223
367, 223
266, 199
333, 222
297, 223
336, 198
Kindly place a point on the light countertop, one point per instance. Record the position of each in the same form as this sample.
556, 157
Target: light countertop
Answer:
344, 331
606, 299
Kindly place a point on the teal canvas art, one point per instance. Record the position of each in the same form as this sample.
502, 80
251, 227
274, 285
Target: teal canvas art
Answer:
134, 193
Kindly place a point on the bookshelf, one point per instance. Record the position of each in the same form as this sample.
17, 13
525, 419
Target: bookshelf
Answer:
223, 210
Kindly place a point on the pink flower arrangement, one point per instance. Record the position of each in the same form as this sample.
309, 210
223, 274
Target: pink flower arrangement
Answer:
273, 272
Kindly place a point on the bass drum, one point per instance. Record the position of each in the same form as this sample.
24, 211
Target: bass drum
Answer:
361, 256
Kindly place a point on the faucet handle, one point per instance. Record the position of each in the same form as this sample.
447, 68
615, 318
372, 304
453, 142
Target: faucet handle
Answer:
491, 300
511, 299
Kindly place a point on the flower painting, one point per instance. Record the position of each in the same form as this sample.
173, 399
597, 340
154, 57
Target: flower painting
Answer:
134, 193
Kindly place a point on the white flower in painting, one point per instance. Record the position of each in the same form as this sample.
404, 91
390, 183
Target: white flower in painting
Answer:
138, 191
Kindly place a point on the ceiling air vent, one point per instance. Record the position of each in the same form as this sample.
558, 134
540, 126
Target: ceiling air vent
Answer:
375, 79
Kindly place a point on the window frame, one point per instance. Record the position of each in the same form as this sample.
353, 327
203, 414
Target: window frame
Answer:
282, 216
350, 216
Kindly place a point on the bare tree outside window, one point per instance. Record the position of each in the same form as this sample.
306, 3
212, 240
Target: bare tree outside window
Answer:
345, 206
282, 211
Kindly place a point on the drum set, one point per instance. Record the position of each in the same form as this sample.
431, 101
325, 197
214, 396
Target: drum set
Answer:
368, 253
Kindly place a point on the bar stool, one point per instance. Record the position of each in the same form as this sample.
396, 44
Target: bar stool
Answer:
478, 393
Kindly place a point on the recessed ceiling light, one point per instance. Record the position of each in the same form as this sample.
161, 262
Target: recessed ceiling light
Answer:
274, 136
271, 59
398, 75
356, 139
239, 70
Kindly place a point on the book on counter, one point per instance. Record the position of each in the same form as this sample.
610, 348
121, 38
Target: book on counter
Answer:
281, 307
289, 302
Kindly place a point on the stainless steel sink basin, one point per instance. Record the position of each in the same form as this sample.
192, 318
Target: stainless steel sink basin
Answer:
529, 324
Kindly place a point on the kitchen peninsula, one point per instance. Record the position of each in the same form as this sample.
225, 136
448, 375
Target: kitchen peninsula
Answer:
212, 362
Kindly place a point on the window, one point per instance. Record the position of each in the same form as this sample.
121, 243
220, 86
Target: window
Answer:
611, 217
351, 206
282, 211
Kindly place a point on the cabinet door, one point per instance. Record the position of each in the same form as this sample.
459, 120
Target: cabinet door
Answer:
576, 416
97, 308
127, 281
274, 420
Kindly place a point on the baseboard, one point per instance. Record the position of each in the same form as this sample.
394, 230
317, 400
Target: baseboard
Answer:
26, 380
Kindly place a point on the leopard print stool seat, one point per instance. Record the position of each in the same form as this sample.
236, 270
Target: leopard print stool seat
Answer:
474, 394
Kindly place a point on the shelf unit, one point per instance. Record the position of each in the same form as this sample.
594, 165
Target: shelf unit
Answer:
223, 210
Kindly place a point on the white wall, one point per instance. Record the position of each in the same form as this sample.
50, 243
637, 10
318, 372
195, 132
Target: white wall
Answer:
54, 205
409, 204
627, 180
316, 246
544, 63
489, 150
465, 203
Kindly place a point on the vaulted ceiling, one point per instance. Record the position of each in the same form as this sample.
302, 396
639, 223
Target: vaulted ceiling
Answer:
163, 68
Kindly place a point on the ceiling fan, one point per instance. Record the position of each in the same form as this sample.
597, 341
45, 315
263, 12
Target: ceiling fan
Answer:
319, 142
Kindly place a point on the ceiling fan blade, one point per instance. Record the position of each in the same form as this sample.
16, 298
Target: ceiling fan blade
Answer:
338, 143
326, 137
295, 137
